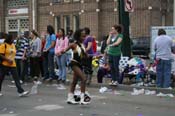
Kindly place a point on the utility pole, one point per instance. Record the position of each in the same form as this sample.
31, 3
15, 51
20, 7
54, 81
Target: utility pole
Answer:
174, 12
124, 20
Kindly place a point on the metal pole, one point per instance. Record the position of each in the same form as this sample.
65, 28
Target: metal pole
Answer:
33, 13
174, 13
124, 20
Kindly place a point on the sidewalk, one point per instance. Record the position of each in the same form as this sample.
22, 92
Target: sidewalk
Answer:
94, 84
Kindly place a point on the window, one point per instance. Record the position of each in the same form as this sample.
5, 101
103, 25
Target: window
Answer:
18, 24
66, 23
12, 24
66, 0
76, 22
57, 23
56, 1
76, 0
17, 3
24, 24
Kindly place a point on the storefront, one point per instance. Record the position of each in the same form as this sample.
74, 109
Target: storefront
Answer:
17, 16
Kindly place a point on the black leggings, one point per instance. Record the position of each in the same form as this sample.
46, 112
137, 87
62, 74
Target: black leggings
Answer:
4, 70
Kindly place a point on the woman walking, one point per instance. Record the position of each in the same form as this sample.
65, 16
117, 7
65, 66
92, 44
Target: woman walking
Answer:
79, 56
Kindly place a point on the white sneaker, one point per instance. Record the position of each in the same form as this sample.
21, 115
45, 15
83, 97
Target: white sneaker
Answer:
21, 81
111, 83
12, 82
23, 94
77, 86
1, 94
70, 99
82, 101
115, 83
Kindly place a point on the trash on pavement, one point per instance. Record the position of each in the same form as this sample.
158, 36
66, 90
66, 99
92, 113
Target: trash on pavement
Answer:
11, 112
61, 87
165, 95
137, 91
11, 86
148, 92
34, 89
104, 89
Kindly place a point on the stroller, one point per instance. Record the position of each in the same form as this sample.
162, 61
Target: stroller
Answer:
134, 68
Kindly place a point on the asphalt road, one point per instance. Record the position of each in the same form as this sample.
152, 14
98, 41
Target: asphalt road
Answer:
52, 102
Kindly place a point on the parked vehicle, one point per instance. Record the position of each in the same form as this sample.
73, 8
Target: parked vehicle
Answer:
141, 46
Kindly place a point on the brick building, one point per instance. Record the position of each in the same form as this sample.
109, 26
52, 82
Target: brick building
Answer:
99, 15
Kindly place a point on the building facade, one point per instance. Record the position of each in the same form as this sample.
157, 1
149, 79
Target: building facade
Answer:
99, 15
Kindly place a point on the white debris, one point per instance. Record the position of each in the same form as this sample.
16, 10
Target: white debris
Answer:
137, 92
55, 85
138, 108
11, 86
148, 92
61, 87
116, 93
34, 89
165, 95
48, 107
103, 89
11, 112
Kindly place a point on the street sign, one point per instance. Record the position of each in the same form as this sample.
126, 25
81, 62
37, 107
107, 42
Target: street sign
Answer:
129, 7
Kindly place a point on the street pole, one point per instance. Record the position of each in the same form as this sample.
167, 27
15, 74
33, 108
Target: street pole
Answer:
124, 20
33, 14
174, 13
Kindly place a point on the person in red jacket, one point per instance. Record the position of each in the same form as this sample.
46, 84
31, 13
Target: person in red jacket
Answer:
94, 44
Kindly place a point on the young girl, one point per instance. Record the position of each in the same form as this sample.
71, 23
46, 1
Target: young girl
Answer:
79, 56
61, 45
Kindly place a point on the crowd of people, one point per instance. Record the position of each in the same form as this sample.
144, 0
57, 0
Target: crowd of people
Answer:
37, 57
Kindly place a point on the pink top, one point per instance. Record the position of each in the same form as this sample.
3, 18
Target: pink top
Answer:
61, 45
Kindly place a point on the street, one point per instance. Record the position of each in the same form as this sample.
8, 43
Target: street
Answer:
52, 102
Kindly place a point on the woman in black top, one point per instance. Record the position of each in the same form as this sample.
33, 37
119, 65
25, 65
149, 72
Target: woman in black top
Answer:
76, 64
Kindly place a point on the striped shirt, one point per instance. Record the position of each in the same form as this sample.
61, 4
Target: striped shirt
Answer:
21, 44
102, 61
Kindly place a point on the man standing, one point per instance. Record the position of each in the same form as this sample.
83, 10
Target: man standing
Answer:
22, 45
162, 47
89, 50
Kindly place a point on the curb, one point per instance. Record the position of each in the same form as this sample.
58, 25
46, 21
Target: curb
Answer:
130, 88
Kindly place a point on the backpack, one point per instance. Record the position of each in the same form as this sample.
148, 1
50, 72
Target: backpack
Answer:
3, 54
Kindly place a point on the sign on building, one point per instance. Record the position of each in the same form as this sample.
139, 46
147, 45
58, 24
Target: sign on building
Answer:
18, 11
129, 7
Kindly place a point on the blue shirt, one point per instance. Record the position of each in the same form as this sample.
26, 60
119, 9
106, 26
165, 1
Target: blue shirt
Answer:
49, 40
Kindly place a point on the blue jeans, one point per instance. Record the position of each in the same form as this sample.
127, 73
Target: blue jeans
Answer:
114, 65
164, 73
49, 66
61, 61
